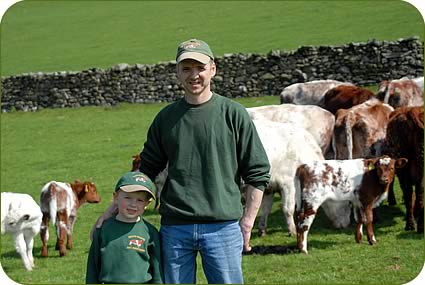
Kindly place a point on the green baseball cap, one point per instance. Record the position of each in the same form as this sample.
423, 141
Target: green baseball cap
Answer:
135, 181
194, 49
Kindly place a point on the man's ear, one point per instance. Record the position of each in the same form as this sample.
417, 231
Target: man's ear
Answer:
213, 68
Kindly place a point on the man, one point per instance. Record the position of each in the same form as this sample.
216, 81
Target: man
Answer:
209, 143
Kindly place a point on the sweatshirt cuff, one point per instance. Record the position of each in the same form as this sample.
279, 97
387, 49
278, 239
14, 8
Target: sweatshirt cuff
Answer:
259, 185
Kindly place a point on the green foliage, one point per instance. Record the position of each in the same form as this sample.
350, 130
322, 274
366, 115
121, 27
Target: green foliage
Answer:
76, 35
97, 143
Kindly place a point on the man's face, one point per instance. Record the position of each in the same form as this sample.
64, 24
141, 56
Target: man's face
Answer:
195, 76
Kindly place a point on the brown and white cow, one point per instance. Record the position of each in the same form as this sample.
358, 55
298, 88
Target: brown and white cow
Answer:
308, 93
59, 202
405, 138
401, 92
359, 131
363, 182
317, 121
344, 97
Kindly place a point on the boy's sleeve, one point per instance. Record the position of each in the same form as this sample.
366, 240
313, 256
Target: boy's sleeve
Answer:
155, 257
93, 260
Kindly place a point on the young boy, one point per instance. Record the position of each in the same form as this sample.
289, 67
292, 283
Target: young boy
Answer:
126, 249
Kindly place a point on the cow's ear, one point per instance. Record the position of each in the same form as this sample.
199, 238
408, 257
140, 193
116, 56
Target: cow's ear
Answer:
401, 162
370, 163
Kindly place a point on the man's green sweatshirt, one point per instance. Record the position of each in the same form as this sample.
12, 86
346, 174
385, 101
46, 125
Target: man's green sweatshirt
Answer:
208, 148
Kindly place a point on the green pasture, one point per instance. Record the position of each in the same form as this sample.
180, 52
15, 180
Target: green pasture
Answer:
94, 143
75, 35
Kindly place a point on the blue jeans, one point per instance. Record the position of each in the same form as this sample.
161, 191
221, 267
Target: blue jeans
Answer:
220, 246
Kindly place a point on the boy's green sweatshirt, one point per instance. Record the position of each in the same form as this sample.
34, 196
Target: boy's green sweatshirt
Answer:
208, 148
125, 253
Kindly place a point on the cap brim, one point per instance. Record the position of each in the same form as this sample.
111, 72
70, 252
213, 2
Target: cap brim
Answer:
136, 188
202, 58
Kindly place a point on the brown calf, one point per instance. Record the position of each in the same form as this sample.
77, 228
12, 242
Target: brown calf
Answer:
59, 202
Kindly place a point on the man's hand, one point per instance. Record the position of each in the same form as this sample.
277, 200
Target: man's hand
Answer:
112, 210
254, 197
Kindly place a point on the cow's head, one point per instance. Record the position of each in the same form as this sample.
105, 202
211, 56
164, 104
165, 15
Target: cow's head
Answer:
86, 191
136, 163
15, 218
385, 167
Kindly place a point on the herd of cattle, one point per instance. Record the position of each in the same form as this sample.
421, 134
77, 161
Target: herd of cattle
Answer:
330, 144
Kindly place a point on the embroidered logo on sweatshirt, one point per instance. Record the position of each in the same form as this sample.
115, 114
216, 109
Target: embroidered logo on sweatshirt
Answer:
136, 243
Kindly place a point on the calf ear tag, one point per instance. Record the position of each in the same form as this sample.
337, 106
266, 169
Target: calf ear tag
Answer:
86, 188
371, 166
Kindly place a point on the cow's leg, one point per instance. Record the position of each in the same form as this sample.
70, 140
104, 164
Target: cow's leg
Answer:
288, 208
21, 248
360, 219
391, 196
44, 234
306, 217
29, 240
62, 222
419, 206
408, 202
369, 222
71, 223
266, 208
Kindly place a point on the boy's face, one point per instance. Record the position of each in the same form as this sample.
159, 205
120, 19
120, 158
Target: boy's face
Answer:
131, 205
195, 76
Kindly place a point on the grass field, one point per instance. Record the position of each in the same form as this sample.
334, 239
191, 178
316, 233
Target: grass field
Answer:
97, 143
76, 35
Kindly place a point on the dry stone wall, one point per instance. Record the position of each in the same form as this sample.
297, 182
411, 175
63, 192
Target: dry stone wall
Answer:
238, 75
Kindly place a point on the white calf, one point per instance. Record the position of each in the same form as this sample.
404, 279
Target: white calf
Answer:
287, 146
21, 217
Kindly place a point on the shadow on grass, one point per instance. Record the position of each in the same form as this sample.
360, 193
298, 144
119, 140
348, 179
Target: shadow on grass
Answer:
411, 235
272, 249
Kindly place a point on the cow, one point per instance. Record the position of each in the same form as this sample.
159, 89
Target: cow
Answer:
59, 202
21, 217
405, 138
317, 121
308, 93
159, 179
363, 182
345, 97
420, 82
359, 131
287, 146
401, 92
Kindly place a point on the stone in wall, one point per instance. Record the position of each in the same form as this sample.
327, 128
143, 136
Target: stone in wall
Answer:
238, 75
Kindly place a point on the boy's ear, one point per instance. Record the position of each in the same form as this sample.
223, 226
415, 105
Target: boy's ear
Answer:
115, 196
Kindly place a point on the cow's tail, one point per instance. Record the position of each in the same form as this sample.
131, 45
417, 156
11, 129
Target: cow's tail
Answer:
349, 135
53, 207
298, 186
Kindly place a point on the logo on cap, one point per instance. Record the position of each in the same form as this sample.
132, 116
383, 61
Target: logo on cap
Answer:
192, 44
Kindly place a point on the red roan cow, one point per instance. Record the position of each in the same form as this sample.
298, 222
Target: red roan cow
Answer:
401, 92
363, 182
405, 138
59, 202
344, 97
